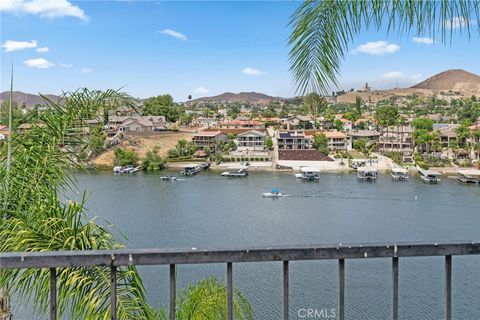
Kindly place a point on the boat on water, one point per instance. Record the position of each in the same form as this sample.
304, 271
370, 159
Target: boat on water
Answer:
126, 169
367, 174
274, 194
170, 177
399, 174
191, 169
308, 174
240, 173
469, 176
429, 176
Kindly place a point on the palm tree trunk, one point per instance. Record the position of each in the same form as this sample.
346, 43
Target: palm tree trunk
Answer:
5, 313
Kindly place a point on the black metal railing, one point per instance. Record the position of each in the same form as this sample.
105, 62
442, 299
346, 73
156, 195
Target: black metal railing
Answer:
172, 257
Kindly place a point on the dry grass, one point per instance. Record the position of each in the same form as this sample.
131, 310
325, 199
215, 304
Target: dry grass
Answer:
165, 141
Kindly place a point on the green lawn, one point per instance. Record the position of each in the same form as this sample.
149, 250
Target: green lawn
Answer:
356, 154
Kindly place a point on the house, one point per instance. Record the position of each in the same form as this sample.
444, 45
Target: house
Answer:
251, 140
209, 139
238, 124
296, 122
337, 140
293, 140
397, 138
448, 134
370, 135
136, 124
206, 122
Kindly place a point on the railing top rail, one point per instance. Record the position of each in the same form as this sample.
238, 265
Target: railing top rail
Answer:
125, 257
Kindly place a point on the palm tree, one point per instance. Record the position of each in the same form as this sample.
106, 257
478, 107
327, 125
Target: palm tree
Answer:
323, 30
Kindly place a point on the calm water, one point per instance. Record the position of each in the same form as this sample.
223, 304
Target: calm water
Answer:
212, 211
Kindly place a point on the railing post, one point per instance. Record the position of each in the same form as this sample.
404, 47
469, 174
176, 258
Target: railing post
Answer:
285, 290
448, 287
229, 291
53, 294
395, 288
113, 292
173, 290
341, 289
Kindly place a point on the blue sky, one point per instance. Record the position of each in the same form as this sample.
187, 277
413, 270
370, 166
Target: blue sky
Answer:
197, 48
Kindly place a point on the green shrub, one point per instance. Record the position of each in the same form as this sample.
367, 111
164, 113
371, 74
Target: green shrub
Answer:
124, 157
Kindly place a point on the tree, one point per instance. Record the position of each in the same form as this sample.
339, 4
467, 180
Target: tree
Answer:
152, 160
162, 105
338, 125
323, 30
125, 157
320, 142
358, 106
269, 142
315, 104
386, 115
423, 123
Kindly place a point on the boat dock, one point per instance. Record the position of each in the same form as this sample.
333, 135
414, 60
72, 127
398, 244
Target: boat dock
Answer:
469, 176
399, 174
367, 173
308, 173
240, 173
429, 176
193, 169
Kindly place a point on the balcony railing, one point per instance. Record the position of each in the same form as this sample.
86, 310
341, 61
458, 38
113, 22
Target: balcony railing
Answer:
172, 257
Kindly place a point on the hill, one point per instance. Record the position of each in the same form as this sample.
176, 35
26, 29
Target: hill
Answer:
250, 97
26, 98
454, 79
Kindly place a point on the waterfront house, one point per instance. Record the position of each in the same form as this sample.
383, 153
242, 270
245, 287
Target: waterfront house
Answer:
293, 140
299, 122
208, 139
133, 124
337, 140
395, 138
448, 134
370, 135
252, 140
206, 122
241, 124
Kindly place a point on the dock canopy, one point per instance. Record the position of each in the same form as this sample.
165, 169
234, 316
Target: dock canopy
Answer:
429, 172
470, 172
309, 169
367, 169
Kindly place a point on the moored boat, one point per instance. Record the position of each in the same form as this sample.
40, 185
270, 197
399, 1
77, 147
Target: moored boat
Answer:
308, 174
469, 176
367, 174
429, 176
399, 174
117, 169
191, 169
127, 169
136, 169
241, 173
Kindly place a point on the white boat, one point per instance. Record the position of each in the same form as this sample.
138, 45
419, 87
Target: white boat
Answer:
241, 173
117, 169
399, 174
308, 174
191, 169
367, 173
170, 177
136, 169
127, 169
469, 176
274, 194
429, 176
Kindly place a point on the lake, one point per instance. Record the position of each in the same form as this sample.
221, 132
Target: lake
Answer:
212, 211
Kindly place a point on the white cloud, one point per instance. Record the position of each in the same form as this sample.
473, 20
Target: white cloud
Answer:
376, 48
397, 75
201, 90
252, 71
39, 63
65, 65
44, 8
174, 34
458, 22
11, 45
393, 75
423, 40
86, 70
42, 49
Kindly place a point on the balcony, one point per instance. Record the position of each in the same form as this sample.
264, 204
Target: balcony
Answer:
114, 259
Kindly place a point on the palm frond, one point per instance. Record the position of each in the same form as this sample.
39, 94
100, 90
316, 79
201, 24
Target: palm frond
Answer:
323, 30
